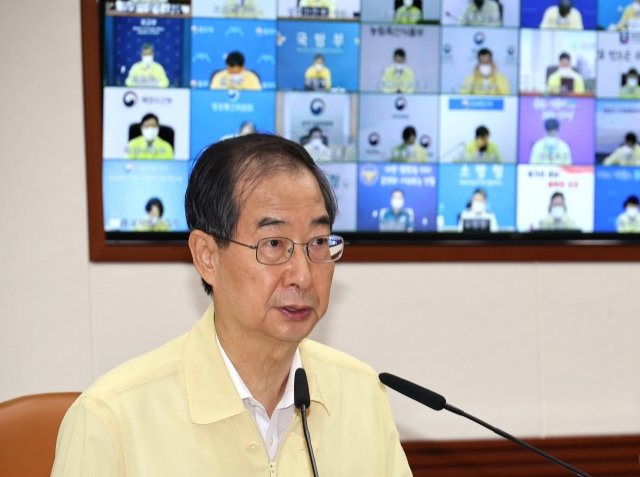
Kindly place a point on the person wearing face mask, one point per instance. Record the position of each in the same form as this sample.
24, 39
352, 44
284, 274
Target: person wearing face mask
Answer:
631, 88
551, 149
154, 221
147, 72
235, 76
562, 16
485, 79
629, 220
565, 79
481, 13
630, 19
148, 145
476, 217
318, 76
408, 13
626, 155
481, 149
409, 150
316, 147
242, 9
399, 78
557, 218
396, 218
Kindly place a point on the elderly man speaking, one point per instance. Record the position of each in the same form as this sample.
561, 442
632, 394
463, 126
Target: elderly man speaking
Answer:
219, 400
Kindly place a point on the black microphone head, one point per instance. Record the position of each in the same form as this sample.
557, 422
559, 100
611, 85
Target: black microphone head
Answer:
430, 399
301, 389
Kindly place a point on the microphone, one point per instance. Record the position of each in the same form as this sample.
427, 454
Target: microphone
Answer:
437, 402
302, 400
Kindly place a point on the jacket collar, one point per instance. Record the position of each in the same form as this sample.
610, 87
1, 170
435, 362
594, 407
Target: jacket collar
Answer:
211, 393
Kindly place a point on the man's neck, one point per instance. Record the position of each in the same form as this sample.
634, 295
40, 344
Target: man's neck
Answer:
263, 365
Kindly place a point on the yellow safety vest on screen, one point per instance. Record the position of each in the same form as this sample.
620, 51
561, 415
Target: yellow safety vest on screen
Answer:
553, 20
619, 157
408, 15
496, 84
315, 79
152, 77
626, 224
393, 82
488, 15
404, 153
242, 9
554, 83
222, 80
630, 18
492, 154
138, 148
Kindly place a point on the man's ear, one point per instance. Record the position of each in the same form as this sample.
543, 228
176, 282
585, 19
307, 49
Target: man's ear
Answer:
204, 251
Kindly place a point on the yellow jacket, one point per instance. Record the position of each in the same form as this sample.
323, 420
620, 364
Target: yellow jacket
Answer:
554, 83
630, 19
408, 15
492, 154
246, 9
315, 80
405, 82
152, 77
176, 412
553, 20
222, 80
138, 148
496, 84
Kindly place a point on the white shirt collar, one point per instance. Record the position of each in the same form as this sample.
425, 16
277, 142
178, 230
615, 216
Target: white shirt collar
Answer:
243, 390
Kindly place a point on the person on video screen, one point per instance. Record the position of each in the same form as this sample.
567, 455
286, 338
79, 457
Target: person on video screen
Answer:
399, 78
481, 149
630, 19
397, 218
409, 150
147, 72
565, 79
408, 13
557, 218
154, 221
626, 155
149, 145
318, 76
551, 149
631, 88
485, 79
476, 217
562, 16
629, 220
327, 8
481, 13
316, 147
242, 9
235, 76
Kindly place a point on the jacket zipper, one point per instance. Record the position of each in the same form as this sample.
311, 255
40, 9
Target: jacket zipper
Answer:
272, 463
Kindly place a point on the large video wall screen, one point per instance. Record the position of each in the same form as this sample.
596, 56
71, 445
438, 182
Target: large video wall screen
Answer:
432, 116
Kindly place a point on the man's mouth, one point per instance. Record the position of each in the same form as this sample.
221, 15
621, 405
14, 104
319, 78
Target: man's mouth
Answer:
295, 313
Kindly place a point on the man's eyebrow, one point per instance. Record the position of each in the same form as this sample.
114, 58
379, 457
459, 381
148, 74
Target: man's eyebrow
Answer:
270, 222
322, 220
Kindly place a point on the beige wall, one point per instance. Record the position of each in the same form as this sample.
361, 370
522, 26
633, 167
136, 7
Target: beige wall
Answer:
539, 349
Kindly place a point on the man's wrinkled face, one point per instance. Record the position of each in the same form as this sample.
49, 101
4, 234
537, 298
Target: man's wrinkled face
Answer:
283, 302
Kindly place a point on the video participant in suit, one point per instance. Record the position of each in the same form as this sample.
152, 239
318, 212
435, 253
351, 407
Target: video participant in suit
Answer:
149, 145
477, 217
235, 75
147, 72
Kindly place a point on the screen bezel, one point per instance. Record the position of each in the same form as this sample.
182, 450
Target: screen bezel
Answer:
363, 246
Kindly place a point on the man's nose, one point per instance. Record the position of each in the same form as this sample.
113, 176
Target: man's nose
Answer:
298, 273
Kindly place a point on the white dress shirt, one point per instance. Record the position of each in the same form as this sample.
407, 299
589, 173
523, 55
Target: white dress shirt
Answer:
274, 428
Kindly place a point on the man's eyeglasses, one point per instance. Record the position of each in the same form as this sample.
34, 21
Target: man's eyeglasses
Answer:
278, 250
